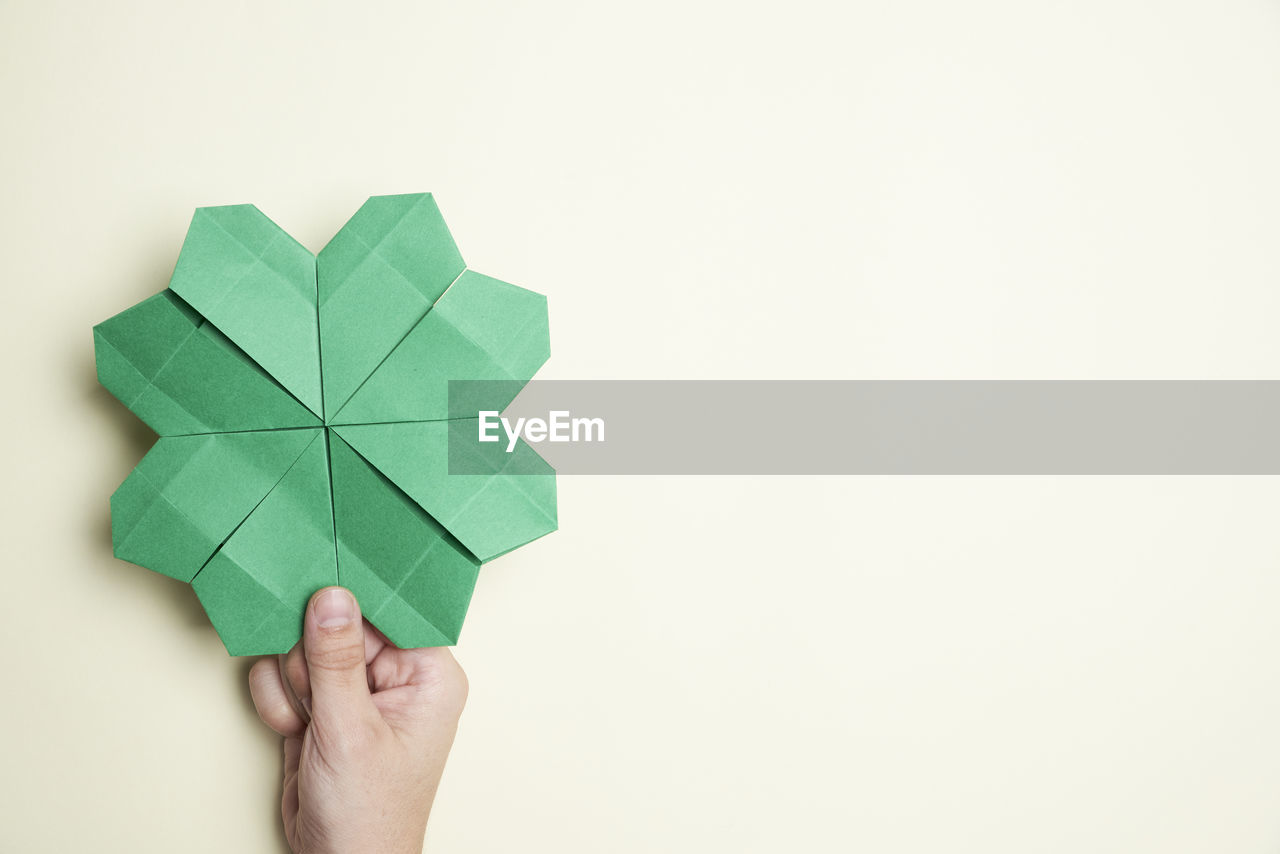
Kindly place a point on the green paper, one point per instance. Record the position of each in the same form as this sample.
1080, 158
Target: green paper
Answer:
481, 329
180, 375
190, 492
256, 501
377, 277
255, 589
257, 284
412, 578
489, 514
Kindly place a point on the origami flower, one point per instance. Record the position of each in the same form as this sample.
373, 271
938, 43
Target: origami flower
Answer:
302, 406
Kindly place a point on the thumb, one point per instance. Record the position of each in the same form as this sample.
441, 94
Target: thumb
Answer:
333, 642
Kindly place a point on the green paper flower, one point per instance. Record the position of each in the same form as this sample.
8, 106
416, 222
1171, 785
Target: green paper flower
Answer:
302, 406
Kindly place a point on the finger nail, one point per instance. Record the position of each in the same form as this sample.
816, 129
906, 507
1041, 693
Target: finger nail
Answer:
334, 608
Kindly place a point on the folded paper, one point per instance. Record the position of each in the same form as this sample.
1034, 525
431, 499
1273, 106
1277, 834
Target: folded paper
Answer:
302, 406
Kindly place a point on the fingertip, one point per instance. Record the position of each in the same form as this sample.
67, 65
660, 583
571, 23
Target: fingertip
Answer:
293, 665
438, 671
266, 688
333, 633
334, 646
332, 609
263, 668
296, 682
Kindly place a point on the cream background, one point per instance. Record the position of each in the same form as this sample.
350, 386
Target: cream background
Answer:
704, 190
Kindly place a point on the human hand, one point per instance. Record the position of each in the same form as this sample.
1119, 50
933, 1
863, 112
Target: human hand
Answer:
367, 728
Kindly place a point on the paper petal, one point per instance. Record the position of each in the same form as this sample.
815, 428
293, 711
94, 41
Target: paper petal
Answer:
481, 329
190, 492
377, 277
413, 580
256, 588
489, 514
257, 285
181, 376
